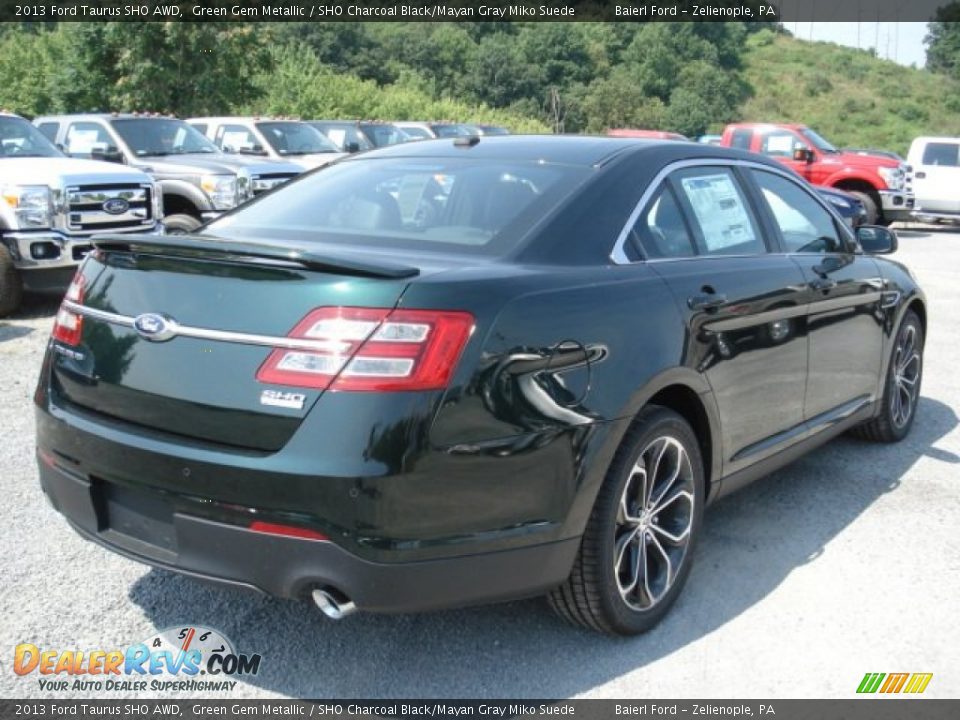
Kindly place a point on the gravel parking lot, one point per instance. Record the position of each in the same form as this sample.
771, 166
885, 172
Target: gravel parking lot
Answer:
846, 562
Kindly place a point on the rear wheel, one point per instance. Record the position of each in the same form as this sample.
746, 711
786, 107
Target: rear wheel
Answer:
902, 389
869, 204
11, 284
636, 552
180, 224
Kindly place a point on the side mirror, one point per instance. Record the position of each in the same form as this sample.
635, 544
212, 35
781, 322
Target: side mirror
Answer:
352, 146
107, 154
876, 240
803, 155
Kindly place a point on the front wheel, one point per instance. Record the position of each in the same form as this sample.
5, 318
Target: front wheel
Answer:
869, 204
898, 405
637, 549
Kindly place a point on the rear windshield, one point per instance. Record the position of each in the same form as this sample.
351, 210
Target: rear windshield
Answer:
477, 207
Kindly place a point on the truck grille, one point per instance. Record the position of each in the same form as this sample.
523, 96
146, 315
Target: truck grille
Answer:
95, 208
268, 181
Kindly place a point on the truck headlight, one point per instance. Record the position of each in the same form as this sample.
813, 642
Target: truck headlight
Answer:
222, 190
893, 177
32, 205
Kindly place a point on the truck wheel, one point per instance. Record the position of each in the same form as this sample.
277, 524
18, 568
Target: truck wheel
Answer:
636, 551
869, 205
11, 284
180, 224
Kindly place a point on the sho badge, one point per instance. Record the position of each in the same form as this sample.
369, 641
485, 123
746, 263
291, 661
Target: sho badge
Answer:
279, 398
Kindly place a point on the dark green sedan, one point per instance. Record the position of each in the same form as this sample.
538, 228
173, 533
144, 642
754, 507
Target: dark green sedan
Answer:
469, 370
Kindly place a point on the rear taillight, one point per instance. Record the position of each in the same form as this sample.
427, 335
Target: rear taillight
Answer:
68, 326
371, 349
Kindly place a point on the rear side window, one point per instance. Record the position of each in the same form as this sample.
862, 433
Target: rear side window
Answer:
480, 207
741, 139
722, 220
49, 129
661, 231
804, 223
940, 153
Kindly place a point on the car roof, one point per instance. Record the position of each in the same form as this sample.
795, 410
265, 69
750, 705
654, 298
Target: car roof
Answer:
103, 116
584, 150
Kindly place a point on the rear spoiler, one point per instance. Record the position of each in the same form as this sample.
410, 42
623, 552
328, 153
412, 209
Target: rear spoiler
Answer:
207, 247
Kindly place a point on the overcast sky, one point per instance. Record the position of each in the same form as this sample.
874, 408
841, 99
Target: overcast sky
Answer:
902, 42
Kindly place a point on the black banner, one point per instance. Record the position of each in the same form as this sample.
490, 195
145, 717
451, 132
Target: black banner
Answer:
478, 10
874, 708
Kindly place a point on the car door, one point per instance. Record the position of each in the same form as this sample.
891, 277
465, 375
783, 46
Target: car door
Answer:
843, 290
936, 177
742, 306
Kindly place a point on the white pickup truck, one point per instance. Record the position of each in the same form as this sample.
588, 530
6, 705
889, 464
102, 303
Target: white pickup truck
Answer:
936, 178
51, 205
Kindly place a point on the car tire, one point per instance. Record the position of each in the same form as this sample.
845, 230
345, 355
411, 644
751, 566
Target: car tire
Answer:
180, 224
11, 284
869, 204
634, 560
901, 392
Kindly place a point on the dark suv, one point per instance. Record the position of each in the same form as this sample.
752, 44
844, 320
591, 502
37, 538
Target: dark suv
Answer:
468, 370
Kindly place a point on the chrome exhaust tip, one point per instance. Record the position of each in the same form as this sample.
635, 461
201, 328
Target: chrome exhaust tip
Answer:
332, 604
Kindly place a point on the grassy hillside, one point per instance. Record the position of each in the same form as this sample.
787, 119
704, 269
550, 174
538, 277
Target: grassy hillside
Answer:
849, 96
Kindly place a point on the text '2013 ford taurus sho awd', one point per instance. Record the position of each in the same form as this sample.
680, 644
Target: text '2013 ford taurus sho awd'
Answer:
469, 370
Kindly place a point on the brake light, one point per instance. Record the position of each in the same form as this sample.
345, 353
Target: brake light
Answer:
372, 349
68, 326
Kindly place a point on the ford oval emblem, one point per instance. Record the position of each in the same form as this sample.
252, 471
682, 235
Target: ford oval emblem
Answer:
116, 206
154, 327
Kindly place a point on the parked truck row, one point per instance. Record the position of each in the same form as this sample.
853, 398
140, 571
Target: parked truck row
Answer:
65, 178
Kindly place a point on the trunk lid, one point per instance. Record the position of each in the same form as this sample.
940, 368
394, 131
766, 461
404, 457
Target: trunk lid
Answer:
226, 302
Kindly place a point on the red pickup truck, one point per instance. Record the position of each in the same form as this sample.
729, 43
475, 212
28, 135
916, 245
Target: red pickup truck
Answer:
879, 182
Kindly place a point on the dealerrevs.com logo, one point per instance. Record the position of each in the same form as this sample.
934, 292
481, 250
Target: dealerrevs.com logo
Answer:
188, 658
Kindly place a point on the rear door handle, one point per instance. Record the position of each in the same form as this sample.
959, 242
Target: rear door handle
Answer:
706, 301
920, 175
823, 284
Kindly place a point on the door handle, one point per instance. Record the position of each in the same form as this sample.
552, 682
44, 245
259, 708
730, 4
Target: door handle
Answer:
706, 301
823, 284
920, 175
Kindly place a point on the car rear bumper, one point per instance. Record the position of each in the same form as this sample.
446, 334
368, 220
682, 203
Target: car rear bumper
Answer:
292, 567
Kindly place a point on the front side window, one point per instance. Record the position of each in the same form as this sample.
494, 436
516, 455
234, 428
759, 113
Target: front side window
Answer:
161, 136
722, 221
781, 143
805, 225
85, 138
238, 139
460, 206
940, 153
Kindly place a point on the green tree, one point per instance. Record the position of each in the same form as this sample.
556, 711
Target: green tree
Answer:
943, 41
